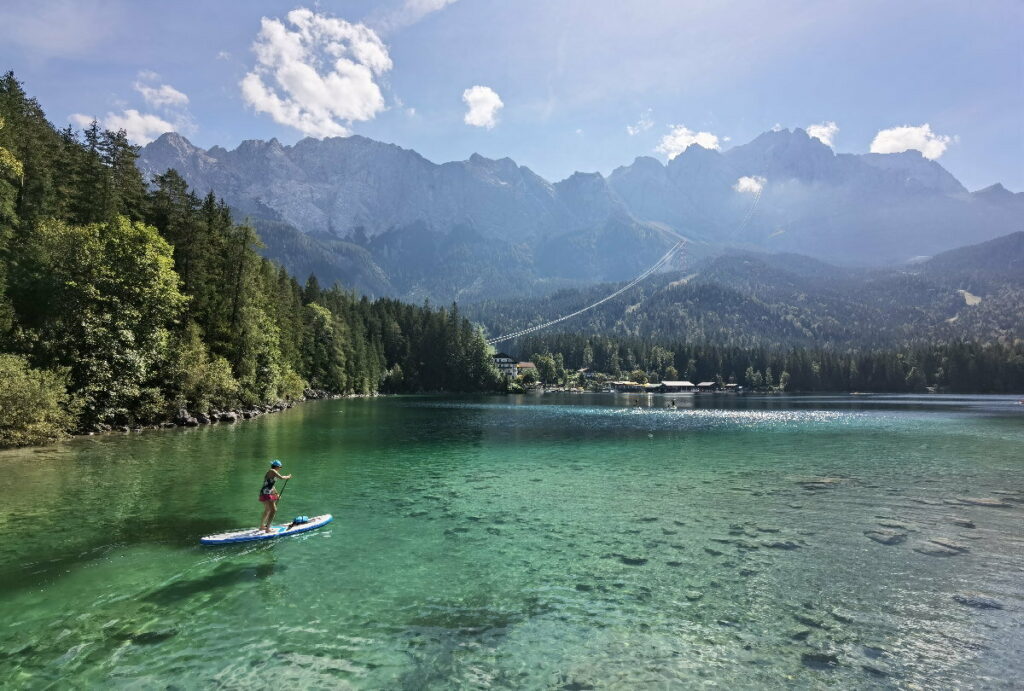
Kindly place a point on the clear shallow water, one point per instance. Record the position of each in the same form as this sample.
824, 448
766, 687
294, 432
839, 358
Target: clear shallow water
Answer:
530, 542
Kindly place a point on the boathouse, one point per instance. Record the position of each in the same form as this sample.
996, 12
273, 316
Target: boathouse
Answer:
677, 386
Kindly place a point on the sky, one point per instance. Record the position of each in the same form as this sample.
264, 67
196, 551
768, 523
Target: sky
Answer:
556, 85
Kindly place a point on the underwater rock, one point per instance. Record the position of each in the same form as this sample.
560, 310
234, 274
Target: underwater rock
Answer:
941, 548
820, 660
800, 634
820, 483
632, 561
781, 544
977, 601
984, 501
963, 523
693, 595
886, 537
896, 525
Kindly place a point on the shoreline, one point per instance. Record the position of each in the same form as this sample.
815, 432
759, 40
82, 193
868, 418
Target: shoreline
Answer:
228, 416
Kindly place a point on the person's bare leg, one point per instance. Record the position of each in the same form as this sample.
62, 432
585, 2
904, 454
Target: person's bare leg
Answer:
273, 512
264, 522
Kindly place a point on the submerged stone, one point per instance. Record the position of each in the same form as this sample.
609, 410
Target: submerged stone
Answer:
632, 561
820, 660
977, 601
781, 544
985, 501
886, 537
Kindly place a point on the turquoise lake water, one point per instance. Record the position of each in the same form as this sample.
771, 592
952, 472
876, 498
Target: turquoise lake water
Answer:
548, 542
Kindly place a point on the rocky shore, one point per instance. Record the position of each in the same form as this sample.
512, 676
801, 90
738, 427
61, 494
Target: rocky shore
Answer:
185, 418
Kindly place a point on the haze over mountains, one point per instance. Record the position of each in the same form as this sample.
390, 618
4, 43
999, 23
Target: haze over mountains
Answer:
385, 220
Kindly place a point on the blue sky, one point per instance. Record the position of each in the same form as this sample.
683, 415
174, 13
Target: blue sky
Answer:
582, 84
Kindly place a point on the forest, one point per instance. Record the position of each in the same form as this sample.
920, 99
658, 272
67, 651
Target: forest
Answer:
124, 300
953, 367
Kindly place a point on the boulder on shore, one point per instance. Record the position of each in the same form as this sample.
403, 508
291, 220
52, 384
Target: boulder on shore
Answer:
229, 417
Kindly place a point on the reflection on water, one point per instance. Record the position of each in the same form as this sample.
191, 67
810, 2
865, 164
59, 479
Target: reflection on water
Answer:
557, 541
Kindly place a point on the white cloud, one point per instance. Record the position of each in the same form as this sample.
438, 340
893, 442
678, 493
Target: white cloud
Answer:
162, 96
223, 55
750, 184
680, 138
141, 128
897, 139
824, 131
411, 12
483, 104
287, 82
642, 125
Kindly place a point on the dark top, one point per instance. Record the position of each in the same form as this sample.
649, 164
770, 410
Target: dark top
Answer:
268, 484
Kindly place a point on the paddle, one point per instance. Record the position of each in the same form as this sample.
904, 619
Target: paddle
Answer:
281, 494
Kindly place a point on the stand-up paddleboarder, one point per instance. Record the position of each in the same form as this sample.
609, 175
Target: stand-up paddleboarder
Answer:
269, 496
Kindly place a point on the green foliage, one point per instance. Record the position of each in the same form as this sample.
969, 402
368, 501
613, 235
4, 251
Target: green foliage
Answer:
155, 300
194, 379
113, 296
34, 404
957, 367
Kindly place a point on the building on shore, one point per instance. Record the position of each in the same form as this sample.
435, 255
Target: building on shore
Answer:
506, 364
522, 367
707, 386
626, 386
677, 387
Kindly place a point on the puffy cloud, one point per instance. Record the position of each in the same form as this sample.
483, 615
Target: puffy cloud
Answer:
161, 96
287, 82
897, 139
642, 125
81, 119
141, 128
750, 184
411, 12
680, 138
824, 131
483, 104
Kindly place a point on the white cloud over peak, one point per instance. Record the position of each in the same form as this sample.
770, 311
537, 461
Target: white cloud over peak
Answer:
483, 105
921, 138
750, 184
161, 96
642, 125
680, 138
823, 131
141, 128
317, 75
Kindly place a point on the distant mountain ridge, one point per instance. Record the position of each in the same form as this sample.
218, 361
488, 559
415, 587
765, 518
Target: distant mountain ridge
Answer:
750, 299
371, 213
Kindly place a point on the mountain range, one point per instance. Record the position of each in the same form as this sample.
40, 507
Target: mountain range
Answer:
386, 221
744, 298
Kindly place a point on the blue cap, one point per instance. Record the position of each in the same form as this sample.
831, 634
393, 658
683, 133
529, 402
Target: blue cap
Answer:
275, 463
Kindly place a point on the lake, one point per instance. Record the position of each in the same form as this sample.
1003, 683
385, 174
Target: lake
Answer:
542, 541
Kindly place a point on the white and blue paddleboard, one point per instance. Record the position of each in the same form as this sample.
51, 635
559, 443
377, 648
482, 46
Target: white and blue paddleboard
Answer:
255, 534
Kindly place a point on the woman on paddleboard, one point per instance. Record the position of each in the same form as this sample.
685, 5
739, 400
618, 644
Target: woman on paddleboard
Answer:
269, 496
